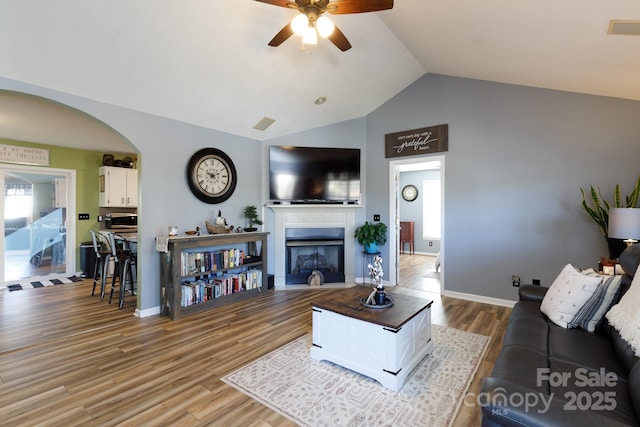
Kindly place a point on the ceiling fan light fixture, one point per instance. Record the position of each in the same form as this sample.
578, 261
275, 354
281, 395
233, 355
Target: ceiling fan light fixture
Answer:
325, 26
300, 24
310, 35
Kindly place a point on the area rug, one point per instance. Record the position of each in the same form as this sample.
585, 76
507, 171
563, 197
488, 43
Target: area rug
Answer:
320, 393
43, 283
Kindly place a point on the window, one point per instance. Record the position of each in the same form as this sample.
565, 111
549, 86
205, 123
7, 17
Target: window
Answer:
18, 201
431, 210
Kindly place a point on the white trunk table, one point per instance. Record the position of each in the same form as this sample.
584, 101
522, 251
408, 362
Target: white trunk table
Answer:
385, 344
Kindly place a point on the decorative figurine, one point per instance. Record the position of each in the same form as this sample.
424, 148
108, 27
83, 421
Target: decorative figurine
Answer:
220, 220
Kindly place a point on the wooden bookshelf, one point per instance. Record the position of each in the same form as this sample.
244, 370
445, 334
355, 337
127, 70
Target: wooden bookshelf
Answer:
172, 275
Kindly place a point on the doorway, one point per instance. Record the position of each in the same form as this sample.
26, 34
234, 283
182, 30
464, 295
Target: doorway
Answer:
37, 237
418, 262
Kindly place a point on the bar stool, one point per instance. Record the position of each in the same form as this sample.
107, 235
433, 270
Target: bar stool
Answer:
103, 250
125, 254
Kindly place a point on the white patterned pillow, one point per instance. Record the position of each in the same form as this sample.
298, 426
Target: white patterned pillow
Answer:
567, 294
625, 316
593, 311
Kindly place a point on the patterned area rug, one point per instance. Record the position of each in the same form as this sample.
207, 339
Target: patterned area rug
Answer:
42, 283
320, 393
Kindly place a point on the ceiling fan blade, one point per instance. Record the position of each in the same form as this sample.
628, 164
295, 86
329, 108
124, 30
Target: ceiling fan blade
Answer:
358, 6
282, 3
338, 38
282, 35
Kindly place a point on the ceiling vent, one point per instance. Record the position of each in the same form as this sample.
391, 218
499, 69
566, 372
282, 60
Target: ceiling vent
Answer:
625, 28
264, 123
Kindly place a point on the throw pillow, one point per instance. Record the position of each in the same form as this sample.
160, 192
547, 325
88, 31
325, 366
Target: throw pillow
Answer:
625, 316
567, 294
593, 311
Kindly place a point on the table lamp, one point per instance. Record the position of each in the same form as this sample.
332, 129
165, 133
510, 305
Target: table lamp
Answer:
624, 223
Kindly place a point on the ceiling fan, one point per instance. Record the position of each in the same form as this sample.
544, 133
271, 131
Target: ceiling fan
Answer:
311, 21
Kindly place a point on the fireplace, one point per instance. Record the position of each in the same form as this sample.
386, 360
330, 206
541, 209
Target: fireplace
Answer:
313, 217
309, 249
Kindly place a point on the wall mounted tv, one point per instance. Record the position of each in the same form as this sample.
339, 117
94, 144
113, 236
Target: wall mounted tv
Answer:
314, 174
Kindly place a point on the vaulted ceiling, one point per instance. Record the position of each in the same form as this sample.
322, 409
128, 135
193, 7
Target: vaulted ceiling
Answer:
207, 62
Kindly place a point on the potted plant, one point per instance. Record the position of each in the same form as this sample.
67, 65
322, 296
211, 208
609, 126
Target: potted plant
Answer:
370, 235
251, 213
599, 207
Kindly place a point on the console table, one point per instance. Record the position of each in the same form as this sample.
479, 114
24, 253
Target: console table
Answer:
384, 344
406, 235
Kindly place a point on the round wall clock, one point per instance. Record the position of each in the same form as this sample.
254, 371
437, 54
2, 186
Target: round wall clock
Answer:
409, 193
211, 175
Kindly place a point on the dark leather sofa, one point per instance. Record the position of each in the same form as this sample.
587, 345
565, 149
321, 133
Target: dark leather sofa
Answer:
547, 376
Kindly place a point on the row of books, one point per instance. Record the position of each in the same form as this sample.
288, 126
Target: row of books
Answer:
217, 286
200, 262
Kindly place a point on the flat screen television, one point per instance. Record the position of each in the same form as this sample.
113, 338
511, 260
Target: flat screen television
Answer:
314, 174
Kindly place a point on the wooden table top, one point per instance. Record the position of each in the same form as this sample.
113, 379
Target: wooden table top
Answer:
347, 303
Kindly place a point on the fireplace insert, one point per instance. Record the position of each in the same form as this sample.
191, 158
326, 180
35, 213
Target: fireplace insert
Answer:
310, 249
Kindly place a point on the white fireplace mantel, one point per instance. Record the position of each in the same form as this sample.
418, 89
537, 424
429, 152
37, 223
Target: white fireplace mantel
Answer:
313, 216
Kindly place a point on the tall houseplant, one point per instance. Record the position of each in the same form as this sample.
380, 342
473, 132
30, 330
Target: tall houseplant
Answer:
598, 210
370, 235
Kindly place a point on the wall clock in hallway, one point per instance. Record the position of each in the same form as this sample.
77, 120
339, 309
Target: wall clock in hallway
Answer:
409, 193
211, 175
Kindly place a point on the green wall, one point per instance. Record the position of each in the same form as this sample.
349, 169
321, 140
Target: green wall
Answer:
86, 164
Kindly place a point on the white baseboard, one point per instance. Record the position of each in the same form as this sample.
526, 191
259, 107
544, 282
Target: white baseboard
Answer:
147, 312
480, 298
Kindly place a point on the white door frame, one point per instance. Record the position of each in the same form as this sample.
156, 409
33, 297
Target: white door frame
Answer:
70, 224
394, 220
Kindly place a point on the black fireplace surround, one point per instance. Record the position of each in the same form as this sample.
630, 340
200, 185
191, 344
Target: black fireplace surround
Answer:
309, 249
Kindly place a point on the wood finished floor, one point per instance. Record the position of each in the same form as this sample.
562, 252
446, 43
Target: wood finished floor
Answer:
66, 358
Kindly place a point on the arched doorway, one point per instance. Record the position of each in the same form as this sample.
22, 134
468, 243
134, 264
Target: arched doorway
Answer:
30, 121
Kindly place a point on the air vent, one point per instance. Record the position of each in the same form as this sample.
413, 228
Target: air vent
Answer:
264, 123
626, 28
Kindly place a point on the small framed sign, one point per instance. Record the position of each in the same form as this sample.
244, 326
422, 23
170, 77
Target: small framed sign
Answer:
417, 142
24, 155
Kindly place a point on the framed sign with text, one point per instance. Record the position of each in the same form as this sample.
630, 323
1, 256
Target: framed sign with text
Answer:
417, 142
24, 155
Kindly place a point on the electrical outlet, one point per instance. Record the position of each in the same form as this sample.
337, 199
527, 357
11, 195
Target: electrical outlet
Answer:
100, 218
83, 217
536, 282
376, 217
430, 243
515, 280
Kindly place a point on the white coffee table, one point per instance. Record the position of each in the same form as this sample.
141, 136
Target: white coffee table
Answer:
384, 344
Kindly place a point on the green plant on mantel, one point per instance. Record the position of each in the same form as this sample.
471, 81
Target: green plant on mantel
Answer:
599, 209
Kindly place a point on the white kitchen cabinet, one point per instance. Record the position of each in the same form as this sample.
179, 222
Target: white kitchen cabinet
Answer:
118, 187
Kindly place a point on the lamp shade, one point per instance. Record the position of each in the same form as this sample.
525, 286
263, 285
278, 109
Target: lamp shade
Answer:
325, 26
310, 35
299, 24
624, 223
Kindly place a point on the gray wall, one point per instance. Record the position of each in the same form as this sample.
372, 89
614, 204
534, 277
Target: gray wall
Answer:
412, 211
516, 161
165, 147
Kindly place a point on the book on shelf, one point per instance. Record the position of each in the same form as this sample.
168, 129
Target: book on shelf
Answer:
217, 285
193, 263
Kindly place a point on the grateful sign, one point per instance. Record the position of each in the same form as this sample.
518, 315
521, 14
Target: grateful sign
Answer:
417, 142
